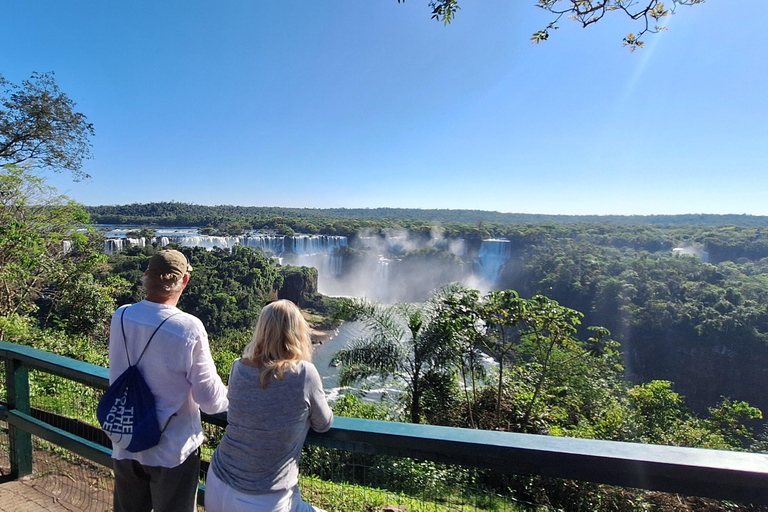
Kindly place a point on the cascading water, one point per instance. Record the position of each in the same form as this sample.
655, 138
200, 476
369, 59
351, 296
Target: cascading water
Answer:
380, 290
317, 251
320, 252
270, 245
378, 268
208, 242
113, 245
492, 256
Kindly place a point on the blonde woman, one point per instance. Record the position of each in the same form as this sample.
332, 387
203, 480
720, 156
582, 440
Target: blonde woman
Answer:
275, 396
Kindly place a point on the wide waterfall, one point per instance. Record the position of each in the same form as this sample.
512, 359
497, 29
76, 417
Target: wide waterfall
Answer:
391, 268
319, 251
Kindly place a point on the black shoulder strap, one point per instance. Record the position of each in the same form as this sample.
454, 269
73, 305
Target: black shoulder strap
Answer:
148, 341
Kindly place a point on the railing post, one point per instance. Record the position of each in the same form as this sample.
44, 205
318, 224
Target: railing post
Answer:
20, 441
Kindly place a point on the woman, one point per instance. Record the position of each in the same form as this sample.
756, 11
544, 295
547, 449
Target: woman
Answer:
275, 395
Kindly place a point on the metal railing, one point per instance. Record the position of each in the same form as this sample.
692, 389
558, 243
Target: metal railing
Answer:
723, 475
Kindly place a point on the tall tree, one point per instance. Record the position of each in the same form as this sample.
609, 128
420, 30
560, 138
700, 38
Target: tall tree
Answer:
459, 326
503, 312
40, 127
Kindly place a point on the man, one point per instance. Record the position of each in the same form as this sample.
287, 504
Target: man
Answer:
179, 370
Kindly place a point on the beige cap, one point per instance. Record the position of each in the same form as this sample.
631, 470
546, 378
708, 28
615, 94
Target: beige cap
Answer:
168, 265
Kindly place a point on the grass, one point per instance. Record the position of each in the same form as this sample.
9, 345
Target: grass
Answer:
345, 497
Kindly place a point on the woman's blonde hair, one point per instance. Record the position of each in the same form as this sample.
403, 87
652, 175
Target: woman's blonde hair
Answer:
281, 340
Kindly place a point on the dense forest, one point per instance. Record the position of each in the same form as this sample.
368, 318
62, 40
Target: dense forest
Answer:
349, 221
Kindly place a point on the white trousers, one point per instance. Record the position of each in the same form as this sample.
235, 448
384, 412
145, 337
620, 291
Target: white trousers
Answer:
219, 497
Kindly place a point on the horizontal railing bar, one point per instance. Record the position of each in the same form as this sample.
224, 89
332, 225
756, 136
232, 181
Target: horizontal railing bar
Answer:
718, 474
79, 371
71, 442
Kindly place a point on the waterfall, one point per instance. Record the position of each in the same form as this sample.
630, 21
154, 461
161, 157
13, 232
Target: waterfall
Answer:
491, 258
208, 242
270, 245
113, 245
380, 289
317, 251
379, 268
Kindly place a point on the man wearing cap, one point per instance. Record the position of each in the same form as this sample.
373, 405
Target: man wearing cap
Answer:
179, 370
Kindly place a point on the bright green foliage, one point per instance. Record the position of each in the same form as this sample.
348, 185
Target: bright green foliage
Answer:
84, 306
228, 288
42, 246
547, 379
435, 351
227, 346
657, 412
458, 326
658, 415
732, 419
352, 407
677, 318
14, 327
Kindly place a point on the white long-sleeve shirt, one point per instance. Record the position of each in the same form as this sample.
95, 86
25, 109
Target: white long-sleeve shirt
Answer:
179, 370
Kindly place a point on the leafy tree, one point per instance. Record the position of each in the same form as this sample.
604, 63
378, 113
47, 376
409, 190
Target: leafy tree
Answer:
458, 325
399, 345
84, 305
585, 12
659, 415
352, 407
503, 313
39, 126
550, 329
731, 419
40, 244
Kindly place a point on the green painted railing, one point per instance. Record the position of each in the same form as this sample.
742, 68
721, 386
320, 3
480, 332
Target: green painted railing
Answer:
734, 476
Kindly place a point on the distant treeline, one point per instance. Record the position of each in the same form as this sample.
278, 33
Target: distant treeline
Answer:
347, 221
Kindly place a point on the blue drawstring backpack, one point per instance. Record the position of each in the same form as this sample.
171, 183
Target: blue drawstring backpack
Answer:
127, 412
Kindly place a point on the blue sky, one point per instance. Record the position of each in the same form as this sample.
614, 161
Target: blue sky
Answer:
373, 104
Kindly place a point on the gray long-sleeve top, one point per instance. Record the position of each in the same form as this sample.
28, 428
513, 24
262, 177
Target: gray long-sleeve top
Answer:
266, 428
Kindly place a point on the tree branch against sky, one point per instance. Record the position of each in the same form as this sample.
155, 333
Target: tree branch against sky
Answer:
648, 13
40, 127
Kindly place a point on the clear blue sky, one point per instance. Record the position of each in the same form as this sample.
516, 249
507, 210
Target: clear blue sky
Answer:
373, 104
